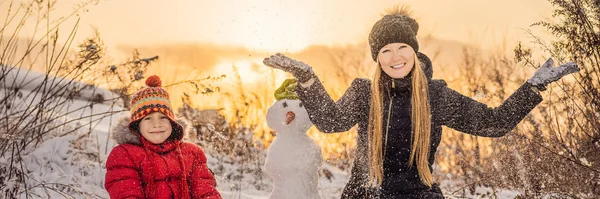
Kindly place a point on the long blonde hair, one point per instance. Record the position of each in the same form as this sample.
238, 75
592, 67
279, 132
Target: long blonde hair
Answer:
421, 126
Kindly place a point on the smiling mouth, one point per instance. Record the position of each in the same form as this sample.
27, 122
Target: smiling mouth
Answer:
398, 66
156, 132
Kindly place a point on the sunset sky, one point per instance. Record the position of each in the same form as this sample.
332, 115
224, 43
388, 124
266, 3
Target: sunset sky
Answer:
199, 38
276, 25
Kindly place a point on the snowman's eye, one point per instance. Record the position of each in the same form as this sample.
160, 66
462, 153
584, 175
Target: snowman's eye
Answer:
300, 104
284, 104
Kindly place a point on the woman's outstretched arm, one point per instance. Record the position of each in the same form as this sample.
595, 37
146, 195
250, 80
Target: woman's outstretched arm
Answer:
467, 115
464, 114
328, 116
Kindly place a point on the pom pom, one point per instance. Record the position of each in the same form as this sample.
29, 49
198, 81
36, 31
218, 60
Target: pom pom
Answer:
153, 81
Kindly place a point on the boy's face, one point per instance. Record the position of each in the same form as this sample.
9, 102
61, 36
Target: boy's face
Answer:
156, 127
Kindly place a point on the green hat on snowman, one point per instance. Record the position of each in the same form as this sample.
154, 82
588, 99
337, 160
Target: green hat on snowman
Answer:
287, 90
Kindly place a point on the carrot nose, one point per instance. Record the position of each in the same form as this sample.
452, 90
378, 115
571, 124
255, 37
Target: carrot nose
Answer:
289, 117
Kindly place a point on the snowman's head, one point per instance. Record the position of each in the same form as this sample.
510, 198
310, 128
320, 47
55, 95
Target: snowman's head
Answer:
288, 116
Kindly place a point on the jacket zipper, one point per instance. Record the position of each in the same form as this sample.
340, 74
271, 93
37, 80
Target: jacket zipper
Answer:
168, 179
387, 126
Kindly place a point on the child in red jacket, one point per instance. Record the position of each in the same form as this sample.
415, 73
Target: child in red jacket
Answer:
152, 160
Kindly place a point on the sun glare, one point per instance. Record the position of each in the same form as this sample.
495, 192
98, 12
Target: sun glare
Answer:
249, 70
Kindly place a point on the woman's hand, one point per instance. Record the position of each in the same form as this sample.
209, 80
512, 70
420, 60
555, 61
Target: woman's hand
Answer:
547, 73
298, 69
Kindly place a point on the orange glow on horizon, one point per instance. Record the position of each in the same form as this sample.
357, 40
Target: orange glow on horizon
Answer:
290, 26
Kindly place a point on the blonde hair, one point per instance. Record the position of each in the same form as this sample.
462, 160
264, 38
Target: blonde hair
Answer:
421, 126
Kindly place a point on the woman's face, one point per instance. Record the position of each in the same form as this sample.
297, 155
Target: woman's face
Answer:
396, 59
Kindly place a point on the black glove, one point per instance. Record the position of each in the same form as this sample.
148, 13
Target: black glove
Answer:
301, 71
547, 74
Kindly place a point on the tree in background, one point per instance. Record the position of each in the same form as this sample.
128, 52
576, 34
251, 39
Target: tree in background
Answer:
556, 149
564, 143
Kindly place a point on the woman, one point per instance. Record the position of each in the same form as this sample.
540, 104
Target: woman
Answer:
400, 112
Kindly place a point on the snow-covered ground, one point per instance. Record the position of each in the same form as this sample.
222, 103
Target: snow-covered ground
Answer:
72, 165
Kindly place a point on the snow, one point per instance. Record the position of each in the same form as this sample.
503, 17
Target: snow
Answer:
293, 158
458, 190
70, 160
585, 162
28, 81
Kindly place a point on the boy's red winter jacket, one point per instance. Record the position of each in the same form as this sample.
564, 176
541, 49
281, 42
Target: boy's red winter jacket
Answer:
137, 168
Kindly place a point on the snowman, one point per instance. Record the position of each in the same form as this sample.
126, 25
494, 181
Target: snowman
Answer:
293, 159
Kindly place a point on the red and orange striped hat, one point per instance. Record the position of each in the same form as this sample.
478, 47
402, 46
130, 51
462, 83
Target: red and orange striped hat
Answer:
150, 99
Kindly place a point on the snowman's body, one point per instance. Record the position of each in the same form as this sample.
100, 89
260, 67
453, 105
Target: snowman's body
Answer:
293, 158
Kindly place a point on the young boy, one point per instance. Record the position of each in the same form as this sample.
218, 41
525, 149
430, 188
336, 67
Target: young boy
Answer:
152, 160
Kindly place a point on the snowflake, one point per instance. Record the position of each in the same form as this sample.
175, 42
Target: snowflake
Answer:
585, 162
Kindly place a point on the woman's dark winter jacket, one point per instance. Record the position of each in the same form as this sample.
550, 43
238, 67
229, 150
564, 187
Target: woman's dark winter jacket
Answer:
448, 108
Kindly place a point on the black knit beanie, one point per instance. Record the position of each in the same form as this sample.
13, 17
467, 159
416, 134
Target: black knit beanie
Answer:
393, 28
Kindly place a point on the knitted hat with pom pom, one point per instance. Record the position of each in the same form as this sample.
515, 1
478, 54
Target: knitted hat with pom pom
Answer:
150, 99
396, 27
